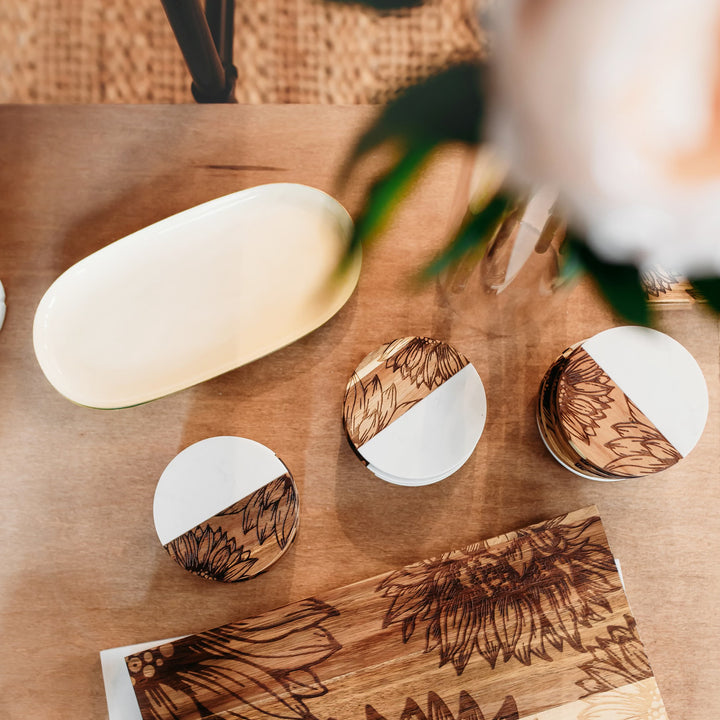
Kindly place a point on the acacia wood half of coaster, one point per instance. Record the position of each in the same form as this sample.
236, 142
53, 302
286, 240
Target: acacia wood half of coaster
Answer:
626, 403
414, 409
226, 508
531, 624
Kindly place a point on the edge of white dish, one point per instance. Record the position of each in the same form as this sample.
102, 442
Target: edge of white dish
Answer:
3, 306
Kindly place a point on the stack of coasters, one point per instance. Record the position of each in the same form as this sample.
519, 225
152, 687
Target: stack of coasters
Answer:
414, 410
628, 402
226, 508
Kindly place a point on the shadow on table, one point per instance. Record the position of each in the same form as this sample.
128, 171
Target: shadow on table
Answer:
510, 481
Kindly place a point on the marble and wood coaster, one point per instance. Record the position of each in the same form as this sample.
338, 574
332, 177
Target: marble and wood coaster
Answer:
226, 508
628, 402
414, 410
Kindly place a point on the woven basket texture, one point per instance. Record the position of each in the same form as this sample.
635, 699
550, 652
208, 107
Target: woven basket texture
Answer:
286, 51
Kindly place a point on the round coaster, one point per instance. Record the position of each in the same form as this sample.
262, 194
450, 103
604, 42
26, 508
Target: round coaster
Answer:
628, 402
414, 410
226, 508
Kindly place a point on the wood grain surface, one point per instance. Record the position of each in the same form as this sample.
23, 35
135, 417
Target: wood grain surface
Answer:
534, 621
82, 569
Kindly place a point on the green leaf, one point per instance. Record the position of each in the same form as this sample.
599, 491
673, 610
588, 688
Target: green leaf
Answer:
444, 107
383, 4
571, 264
709, 288
386, 193
619, 283
475, 233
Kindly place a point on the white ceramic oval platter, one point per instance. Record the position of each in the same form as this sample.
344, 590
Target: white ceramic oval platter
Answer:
195, 295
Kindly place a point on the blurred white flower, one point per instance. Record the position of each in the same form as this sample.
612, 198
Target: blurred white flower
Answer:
617, 104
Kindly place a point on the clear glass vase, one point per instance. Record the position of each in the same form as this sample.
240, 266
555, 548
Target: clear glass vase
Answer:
511, 281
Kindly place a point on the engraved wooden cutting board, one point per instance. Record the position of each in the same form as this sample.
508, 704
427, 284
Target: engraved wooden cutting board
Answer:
532, 624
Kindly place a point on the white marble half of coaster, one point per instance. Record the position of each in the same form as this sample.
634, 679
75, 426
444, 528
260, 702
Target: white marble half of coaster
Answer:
435, 437
208, 477
659, 376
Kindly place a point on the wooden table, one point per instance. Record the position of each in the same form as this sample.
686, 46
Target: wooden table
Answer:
82, 569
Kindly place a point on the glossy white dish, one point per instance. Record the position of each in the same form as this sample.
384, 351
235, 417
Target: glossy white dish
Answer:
195, 295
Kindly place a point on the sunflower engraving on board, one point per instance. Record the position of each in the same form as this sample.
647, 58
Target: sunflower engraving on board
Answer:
618, 659
509, 600
211, 554
425, 361
656, 281
437, 709
259, 668
584, 395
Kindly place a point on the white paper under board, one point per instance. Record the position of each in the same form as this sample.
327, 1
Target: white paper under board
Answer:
121, 701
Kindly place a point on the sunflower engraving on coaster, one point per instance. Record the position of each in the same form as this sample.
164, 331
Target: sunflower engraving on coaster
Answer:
437, 709
605, 426
243, 540
549, 424
507, 602
392, 379
266, 667
211, 554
